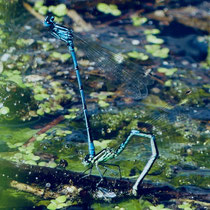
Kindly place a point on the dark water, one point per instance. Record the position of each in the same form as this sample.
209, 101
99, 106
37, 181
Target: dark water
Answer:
38, 85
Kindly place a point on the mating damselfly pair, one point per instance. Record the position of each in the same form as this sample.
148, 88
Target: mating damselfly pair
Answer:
133, 82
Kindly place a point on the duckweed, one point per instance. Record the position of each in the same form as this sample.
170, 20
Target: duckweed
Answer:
109, 9
156, 51
153, 39
137, 21
24, 42
14, 76
59, 10
152, 31
59, 203
138, 55
167, 72
58, 56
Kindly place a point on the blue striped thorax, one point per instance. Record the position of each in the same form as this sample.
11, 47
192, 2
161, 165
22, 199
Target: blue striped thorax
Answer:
58, 31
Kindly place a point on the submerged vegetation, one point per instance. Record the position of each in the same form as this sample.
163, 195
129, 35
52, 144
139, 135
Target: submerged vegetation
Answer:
38, 84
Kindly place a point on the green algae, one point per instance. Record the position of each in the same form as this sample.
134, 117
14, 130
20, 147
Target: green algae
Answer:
157, 51
11, 198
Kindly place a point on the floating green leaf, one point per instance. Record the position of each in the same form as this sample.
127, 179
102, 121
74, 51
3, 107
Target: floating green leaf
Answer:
168, 83
14, 76
186, 206
40, 112
166, 71
51, 8
70, 116
24, 42
60, 10
158, 207
38, 5
40, 97
52, 164
152, 31
152, 48
42, 164
109, 9
102, 7
41, 137
138, 55
43, 10
45, 45
103, 104
137, 21
31, 162
61, 205
73, 110
65, 57
156, 51
61, 199
153, 39
52, 206
59, 56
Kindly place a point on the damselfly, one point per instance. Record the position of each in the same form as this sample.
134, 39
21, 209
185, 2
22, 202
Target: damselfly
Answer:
134, 83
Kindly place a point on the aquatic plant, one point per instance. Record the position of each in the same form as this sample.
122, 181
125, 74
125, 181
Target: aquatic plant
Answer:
108, 9
137, 21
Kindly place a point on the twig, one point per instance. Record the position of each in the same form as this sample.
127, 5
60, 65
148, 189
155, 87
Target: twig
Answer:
59, 181
79, 21
30, 9
38, 191
46, 128
83, 26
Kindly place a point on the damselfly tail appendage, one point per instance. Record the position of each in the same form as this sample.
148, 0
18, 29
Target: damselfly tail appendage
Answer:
109, 153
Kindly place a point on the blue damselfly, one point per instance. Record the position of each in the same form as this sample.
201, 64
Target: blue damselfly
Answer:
134, 82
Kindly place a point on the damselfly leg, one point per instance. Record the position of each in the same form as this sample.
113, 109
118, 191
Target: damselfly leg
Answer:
109, 153
111, 170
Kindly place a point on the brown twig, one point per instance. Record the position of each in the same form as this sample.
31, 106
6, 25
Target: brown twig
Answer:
59, 180
83, 26
30, 9
46, 128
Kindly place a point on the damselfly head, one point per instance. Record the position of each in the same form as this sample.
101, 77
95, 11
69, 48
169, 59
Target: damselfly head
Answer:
49, 20
87, 160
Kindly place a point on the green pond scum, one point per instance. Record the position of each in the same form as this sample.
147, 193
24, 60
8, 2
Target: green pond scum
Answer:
38, 84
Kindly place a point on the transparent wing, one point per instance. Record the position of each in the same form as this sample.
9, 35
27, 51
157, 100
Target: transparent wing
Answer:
132, 78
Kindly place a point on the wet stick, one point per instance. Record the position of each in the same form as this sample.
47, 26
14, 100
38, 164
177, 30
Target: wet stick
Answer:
58, 180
